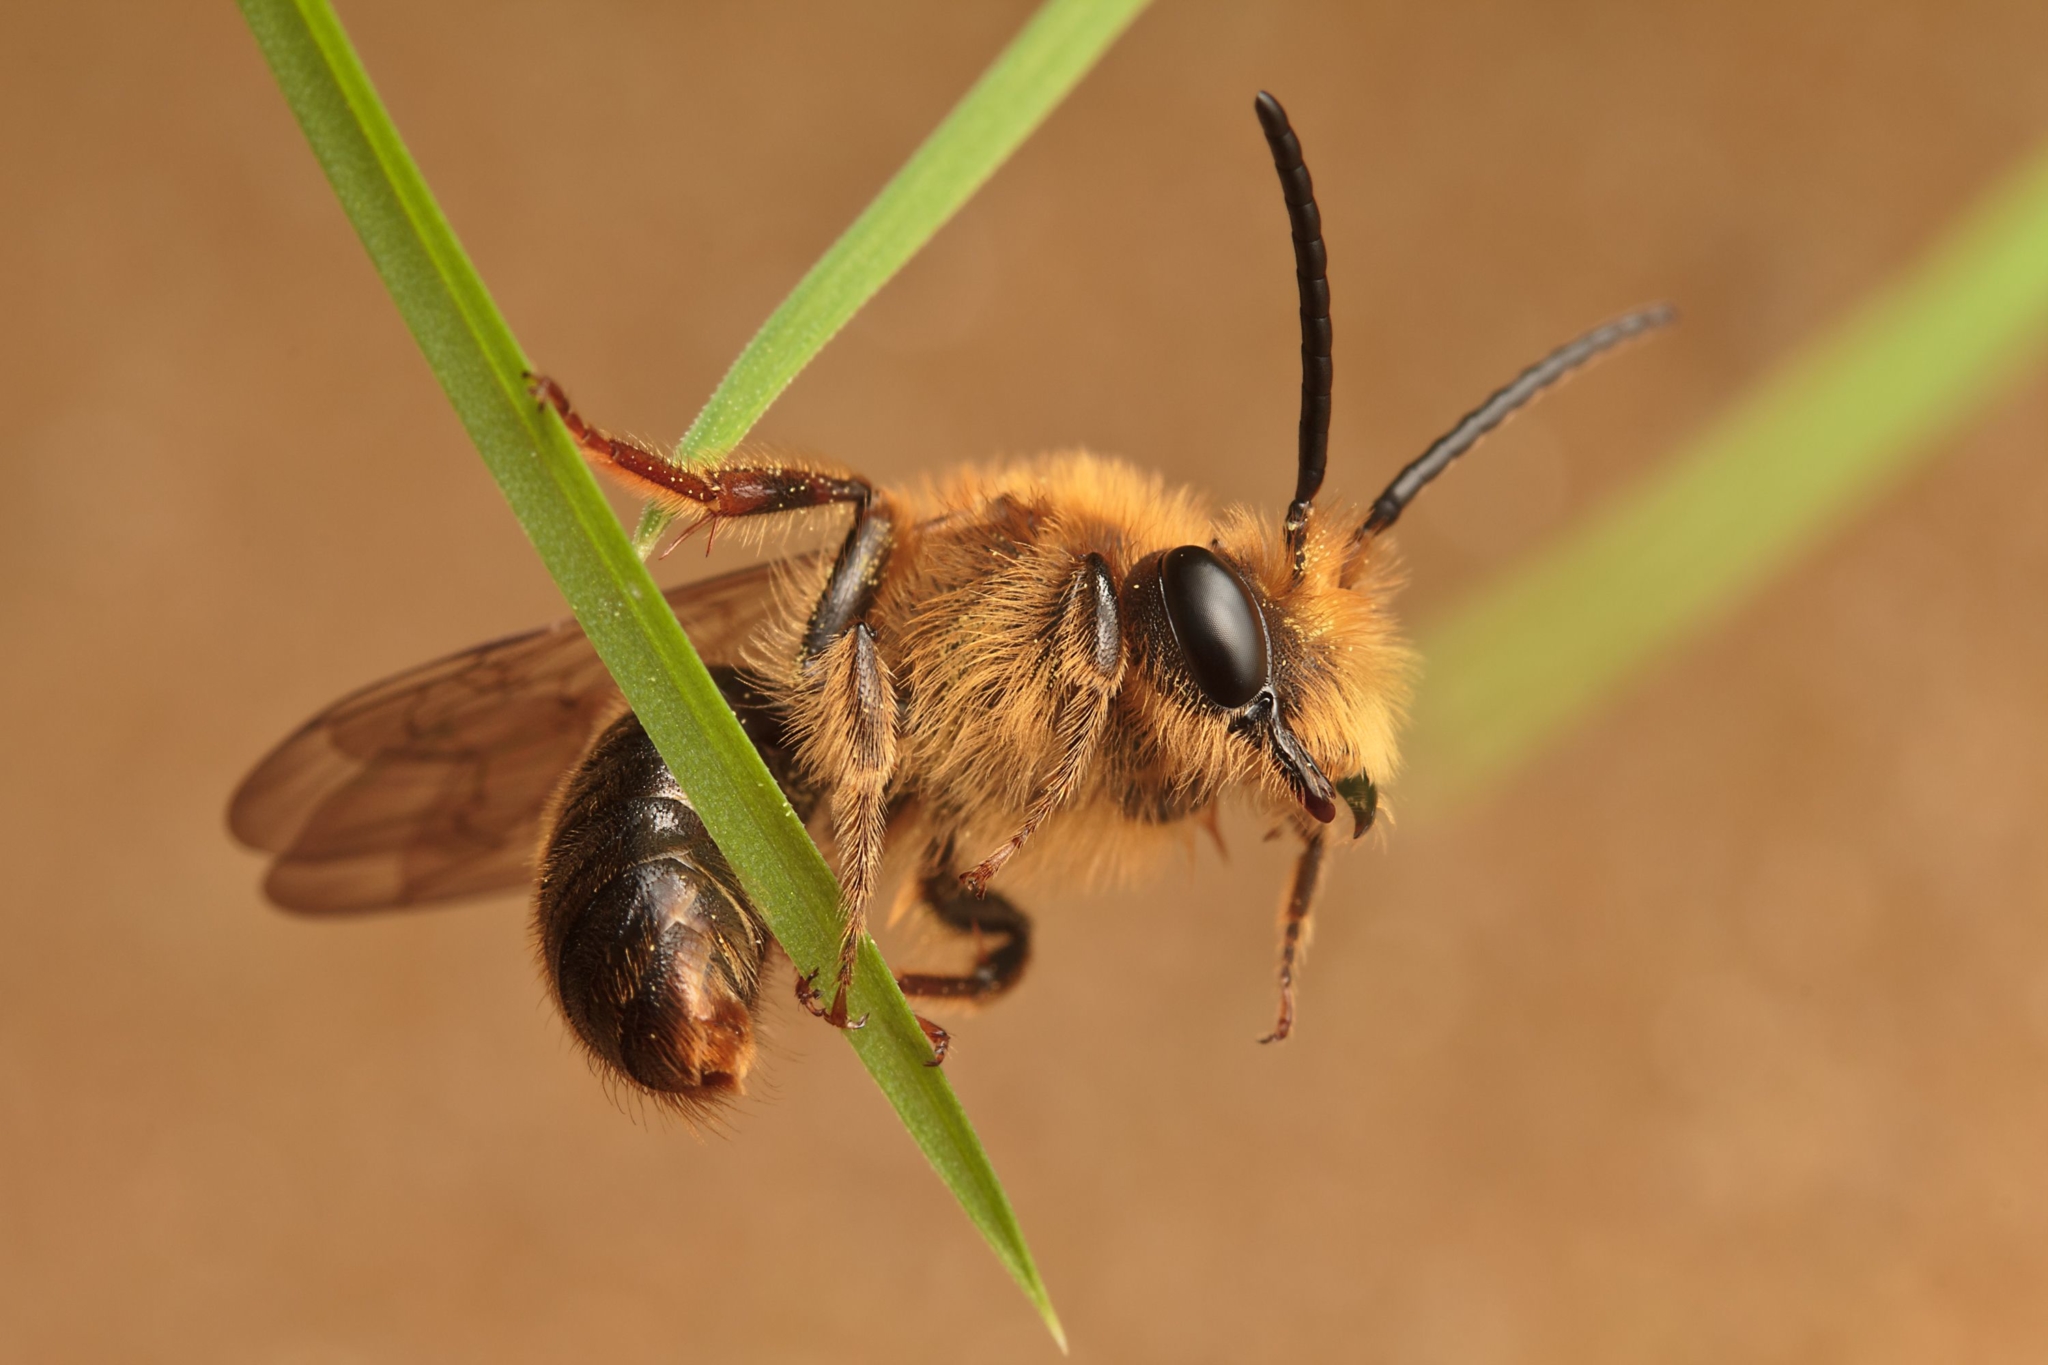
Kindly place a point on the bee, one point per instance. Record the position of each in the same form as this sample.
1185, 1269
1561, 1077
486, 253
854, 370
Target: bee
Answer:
1062, 660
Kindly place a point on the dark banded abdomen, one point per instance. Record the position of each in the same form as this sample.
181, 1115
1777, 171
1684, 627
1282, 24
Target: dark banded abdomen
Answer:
653, 951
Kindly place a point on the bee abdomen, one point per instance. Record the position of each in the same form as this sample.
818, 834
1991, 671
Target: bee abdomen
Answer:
653, 951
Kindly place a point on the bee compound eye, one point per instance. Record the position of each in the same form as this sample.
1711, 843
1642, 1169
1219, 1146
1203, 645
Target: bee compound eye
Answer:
1216, 624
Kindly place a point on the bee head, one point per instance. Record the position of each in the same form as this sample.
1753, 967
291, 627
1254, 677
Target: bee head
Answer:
1217, 630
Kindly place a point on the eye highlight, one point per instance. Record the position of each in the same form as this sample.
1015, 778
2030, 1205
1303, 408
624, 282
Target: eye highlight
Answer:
1216, 625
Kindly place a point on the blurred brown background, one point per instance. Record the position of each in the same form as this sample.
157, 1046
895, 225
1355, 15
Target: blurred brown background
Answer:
1718, 1035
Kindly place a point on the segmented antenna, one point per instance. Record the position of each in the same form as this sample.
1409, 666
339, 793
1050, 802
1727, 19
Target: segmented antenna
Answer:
1311, 265
1497, 409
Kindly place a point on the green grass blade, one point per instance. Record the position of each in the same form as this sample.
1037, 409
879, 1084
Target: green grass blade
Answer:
1026, 82
1824, 436
557, 501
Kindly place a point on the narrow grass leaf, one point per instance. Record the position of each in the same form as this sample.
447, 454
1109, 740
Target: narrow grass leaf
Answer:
1026, 82
481, 367
1824, 436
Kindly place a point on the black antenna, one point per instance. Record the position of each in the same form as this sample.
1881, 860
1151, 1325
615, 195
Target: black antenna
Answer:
1311, 266
1501, 406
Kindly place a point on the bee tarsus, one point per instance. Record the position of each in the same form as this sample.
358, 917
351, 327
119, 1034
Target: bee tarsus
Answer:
941, 1041
1294, 911
810, 997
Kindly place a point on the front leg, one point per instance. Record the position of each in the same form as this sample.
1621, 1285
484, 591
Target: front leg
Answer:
1294, 925
1087, 665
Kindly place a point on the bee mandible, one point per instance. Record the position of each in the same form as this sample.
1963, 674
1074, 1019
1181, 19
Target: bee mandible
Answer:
1062, 660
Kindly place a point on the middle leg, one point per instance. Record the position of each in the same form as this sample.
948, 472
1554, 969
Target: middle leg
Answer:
996, 970
843, 717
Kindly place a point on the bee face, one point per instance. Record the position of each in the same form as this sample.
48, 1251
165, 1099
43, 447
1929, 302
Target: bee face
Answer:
1204, 634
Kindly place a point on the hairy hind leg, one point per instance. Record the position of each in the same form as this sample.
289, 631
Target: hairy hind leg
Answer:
742, 484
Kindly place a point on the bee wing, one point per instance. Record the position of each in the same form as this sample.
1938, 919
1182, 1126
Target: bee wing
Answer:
430, 785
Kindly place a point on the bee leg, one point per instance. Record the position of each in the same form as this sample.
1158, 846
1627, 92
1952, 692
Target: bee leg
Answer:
1294, 924
941, 1041
716, 490
808, 995
996, 970
811, 998
1087, 666
846, 714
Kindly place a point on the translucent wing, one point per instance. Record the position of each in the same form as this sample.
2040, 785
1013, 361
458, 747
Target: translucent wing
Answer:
430, 785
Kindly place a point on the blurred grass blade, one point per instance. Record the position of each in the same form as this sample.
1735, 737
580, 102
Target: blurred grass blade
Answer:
558, 503
1824, 436
1026, 82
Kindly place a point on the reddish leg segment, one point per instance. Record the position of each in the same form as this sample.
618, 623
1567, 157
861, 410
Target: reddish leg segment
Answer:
1301, 899
719, 490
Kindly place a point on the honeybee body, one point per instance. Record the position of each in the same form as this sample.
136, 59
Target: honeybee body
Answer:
1061, 660
989, 663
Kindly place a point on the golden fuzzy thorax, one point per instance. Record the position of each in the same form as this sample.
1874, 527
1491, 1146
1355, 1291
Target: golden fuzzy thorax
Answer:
968, 622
